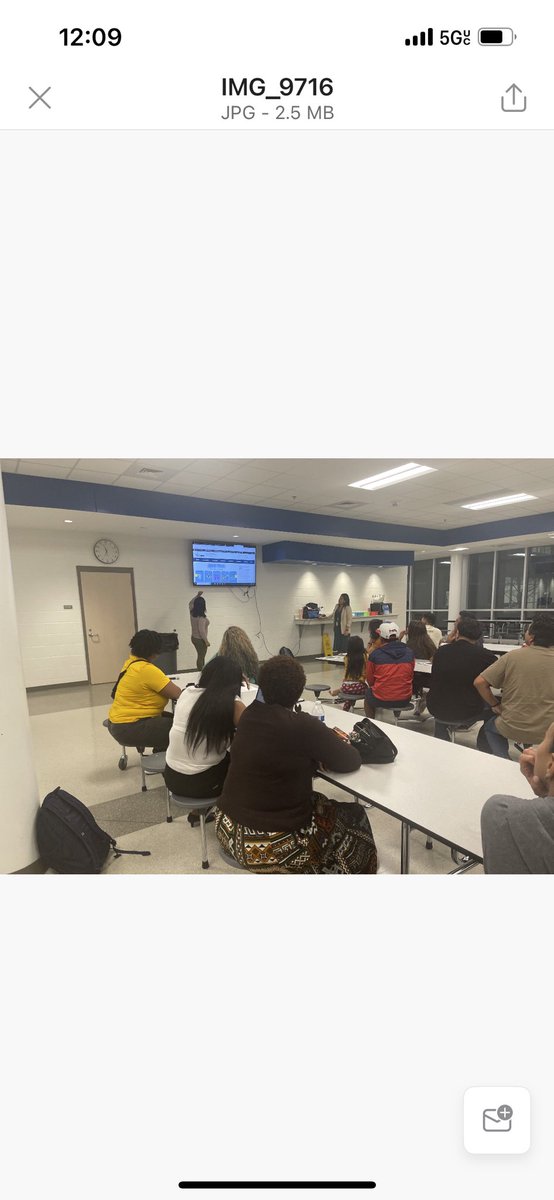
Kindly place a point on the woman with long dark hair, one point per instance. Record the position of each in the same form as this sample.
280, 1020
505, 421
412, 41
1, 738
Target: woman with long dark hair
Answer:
355, 664
199, 628
342, 623
204, 724
419, 641
423, 647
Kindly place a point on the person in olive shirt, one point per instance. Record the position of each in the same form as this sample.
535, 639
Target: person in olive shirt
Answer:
452, 696
526, 677
269, 819
518, 832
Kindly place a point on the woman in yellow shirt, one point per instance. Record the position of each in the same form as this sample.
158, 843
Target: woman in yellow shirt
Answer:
137, 717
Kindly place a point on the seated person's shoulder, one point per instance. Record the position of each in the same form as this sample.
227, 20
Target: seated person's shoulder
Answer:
154, 677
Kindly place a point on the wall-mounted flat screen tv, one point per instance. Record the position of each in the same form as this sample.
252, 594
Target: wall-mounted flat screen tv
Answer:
223, 564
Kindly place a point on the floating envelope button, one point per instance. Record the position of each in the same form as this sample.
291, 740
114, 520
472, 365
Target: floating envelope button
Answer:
497, 1120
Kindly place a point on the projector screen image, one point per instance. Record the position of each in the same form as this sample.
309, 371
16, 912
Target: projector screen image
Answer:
219, 564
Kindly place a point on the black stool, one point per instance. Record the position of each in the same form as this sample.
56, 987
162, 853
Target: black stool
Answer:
317, 688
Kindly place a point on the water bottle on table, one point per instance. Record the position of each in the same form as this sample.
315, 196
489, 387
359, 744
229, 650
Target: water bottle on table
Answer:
318, 710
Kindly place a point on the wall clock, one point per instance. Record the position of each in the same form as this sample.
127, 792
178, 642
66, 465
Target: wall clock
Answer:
106, 551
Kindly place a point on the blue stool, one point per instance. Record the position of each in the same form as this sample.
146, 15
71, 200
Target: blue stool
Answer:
151, 764
202, 807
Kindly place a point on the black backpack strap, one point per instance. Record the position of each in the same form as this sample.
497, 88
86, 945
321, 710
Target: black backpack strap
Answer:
120, 677
118, 852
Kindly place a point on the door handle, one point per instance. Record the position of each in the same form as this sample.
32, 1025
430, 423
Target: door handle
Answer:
94, 637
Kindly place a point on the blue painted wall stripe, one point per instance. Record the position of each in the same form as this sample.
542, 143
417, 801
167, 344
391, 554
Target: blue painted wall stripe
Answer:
42, 492
299, 552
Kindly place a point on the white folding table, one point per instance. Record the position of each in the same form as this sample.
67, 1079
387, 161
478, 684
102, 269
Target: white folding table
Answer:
434, 786
501, 647
421, 664
247, 694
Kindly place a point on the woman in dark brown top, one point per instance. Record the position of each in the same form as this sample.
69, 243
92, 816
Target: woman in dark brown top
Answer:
269, 818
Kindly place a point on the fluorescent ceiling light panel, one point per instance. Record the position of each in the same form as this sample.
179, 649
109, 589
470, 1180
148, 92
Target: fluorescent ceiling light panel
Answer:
517, 499
396, 475
457, 548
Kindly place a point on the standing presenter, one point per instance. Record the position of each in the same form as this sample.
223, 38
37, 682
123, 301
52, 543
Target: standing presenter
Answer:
199, 628
342, 624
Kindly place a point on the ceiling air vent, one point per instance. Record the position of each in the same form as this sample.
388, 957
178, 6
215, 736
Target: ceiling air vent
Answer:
346, 504
150, 471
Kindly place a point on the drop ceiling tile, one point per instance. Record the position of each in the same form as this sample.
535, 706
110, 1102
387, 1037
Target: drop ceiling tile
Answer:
92, 476
194, 479
249, 475
141, 484
262, 493
212, 492
542, 470
9, 465
171, 487
292, 482
36, 468
104, 466
164, 464
215, 466
68, 463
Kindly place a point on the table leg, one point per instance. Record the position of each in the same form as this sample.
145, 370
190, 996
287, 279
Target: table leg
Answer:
467, 867
405, 848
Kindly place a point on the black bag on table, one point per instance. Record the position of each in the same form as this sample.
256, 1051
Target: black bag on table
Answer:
70, 841
310, 610
372, 744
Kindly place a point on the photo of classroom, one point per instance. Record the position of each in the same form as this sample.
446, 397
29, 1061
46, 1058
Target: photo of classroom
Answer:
233, 666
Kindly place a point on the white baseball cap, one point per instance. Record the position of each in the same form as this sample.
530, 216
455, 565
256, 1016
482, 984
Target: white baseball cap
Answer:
388, 629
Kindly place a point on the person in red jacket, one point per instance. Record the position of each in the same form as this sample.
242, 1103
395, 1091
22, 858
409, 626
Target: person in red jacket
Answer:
390, 671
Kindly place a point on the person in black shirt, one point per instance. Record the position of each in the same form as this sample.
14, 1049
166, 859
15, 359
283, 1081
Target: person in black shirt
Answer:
461, 617
452, 696
269, 819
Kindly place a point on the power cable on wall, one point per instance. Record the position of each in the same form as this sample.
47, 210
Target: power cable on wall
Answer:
244, 598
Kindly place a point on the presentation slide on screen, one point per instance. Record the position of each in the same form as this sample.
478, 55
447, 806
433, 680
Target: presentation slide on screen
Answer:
223, 565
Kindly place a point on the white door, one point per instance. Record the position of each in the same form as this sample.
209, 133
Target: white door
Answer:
109, 619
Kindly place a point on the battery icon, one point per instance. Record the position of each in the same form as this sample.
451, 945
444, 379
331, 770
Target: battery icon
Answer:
496, 37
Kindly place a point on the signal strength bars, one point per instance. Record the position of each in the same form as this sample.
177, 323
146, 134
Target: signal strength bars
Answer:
421, 39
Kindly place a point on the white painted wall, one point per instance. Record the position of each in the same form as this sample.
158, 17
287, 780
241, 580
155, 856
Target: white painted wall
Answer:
51, 637
18, 784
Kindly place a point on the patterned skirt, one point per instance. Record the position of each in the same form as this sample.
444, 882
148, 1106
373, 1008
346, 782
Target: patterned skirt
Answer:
338, 841
354, 688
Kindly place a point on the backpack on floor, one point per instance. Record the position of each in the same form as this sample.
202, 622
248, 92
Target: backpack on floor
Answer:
70, 841
373, 743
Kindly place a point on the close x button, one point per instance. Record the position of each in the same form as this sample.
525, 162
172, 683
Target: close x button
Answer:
39, 97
